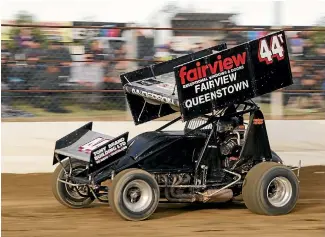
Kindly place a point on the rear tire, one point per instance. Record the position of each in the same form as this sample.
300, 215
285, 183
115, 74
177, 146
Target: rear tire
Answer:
64, 193
134, 195
270, 189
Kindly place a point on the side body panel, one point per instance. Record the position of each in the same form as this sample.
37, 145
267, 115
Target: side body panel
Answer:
257, 145
164, 152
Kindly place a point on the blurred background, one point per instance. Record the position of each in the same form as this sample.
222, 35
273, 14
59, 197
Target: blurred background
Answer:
61, 60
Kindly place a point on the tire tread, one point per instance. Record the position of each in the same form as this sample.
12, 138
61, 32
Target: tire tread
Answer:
251, 191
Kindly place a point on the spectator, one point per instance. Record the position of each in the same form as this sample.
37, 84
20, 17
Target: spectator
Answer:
320, 51
4, 50
116, 69
121, 66
296, 45
34, 54
91, 72
322, 73
60, 54
307, 46
162, 53
145, 47
49, 80
5, 72
4, 68
97, 51
111, 80
24, 39
292, 100
34, 68
320, 85
5, 56
309, 82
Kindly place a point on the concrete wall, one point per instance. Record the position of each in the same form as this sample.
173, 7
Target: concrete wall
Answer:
28, 147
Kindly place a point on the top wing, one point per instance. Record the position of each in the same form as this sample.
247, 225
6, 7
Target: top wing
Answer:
208, 80
233, 76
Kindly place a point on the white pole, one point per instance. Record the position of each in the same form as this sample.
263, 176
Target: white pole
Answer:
276, 97
131, 36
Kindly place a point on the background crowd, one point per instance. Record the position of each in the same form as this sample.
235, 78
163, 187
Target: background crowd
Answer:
33, 65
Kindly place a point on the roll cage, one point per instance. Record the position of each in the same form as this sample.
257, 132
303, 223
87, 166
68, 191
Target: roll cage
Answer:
206, 126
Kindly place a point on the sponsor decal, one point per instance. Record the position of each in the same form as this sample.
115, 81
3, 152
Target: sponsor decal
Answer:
224, 77
93, 144
151, 95
219, 66
213, 95
166, 86
258, 121
110, 150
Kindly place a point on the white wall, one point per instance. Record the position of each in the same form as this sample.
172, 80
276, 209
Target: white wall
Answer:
28, 147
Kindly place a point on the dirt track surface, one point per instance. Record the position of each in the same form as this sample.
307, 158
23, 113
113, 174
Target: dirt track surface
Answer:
29, 209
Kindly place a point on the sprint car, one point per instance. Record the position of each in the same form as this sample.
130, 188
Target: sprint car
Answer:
217, 155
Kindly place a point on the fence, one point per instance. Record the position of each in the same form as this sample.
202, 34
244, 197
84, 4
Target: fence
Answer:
80, 78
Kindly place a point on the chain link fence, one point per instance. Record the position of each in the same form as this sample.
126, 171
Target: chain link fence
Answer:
79, 79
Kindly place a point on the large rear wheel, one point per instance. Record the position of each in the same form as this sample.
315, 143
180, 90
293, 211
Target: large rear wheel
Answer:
270, 189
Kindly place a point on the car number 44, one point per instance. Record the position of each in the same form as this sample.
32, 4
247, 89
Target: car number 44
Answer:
273, 49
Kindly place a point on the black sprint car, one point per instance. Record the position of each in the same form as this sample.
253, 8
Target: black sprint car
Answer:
217, 155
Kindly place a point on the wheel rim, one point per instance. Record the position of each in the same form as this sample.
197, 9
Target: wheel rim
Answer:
279, 191
137, 195
71, 190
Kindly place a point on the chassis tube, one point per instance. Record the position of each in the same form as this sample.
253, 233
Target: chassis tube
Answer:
168, 124
203, 149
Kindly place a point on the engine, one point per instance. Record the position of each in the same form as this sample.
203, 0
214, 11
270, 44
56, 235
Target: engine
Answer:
231, 133
177, 188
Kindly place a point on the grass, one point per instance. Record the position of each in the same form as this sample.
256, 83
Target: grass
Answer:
78, 113
292, 113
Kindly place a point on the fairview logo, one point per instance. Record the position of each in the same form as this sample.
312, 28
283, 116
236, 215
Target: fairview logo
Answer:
218, 66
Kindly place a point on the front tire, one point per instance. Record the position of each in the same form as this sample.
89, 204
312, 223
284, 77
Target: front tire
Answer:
66, 194
134, 195
270, 189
